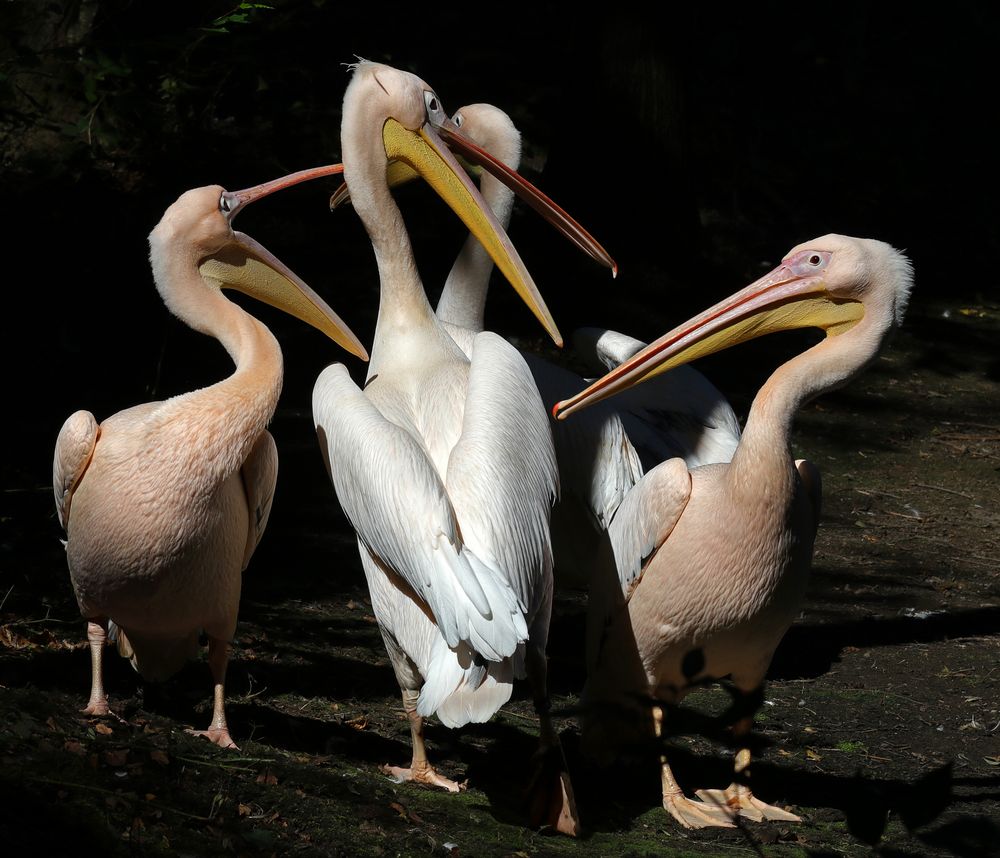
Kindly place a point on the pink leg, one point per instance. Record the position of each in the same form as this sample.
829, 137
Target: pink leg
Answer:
218, 660
689, 813
97, 635
420, 769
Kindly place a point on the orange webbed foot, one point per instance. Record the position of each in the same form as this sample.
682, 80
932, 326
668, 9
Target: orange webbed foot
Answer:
740, 800
698, 814
97, 705
424, 774
217, 735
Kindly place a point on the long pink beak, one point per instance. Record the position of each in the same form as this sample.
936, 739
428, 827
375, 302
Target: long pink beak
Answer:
780, 300
540, 202
239, 199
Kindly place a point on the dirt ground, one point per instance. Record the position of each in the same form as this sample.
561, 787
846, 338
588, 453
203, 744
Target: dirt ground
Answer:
880, 724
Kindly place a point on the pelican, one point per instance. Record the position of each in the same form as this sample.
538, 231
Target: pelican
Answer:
604, 453
164, 503
443, 463
708, 585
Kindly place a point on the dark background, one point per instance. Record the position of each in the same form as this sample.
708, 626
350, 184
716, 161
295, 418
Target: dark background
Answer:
697, 143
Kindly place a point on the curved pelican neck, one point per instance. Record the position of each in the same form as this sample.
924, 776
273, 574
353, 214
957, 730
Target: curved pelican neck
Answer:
236, 409
403, 305
825, 366
463, 299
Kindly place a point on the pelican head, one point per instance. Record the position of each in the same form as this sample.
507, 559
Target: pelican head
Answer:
405, 113
202, 219
839, 284
485, 138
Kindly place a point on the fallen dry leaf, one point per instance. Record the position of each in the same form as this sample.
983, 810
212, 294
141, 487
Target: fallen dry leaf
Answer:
74, 747
116, 759
103, 729
10, 638
265, 777
159, 757
812, 755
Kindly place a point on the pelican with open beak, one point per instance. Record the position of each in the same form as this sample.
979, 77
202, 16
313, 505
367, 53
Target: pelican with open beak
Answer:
164, 503
713, 561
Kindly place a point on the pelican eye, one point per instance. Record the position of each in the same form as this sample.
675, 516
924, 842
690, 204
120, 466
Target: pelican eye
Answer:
458, 119
808, 263
432, 104
225, 206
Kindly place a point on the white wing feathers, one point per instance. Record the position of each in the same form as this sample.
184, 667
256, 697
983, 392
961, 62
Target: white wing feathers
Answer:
679, 413
461, 689
597, 463
502, 477
604, 349
401, 512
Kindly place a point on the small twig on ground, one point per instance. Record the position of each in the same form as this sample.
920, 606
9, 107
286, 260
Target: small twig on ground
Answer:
157, 805
250, 695
903, 515
944, 489
45, 619
512, 714
991, 426
2, 601
870, 492
235, 765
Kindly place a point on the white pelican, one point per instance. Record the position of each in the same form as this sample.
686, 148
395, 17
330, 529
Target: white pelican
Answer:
163, 504
710, 583
445, 474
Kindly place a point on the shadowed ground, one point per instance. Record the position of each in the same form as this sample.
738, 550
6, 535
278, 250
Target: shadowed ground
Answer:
880, 722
